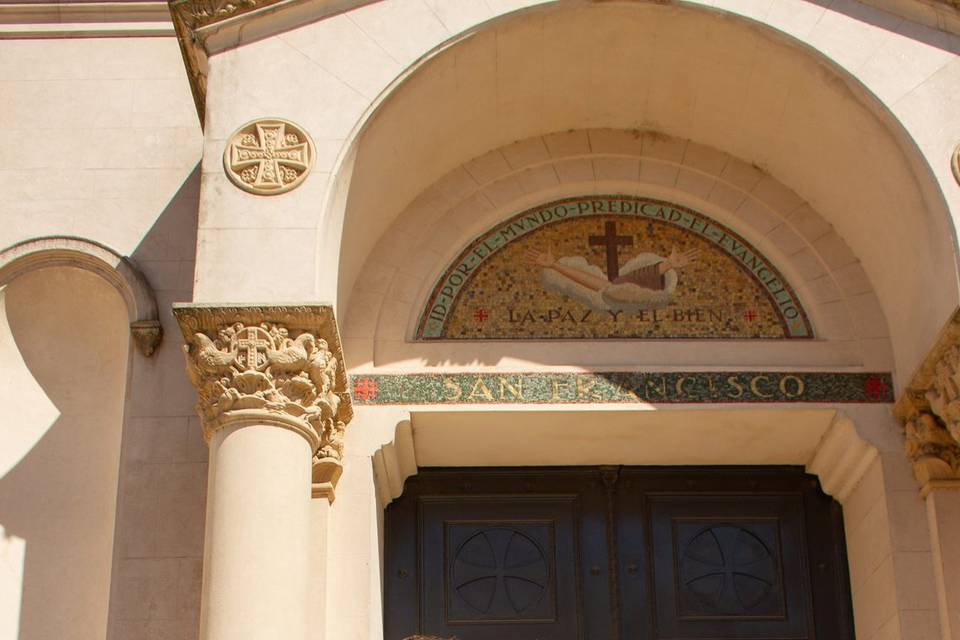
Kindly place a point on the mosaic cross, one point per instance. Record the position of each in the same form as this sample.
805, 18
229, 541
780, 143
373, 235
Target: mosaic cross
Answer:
270, 159
365, 389
611, 241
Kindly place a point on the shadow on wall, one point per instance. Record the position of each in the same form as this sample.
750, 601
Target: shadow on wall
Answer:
172, 238
158, 549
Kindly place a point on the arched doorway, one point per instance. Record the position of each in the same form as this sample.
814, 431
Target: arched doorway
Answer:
511, 117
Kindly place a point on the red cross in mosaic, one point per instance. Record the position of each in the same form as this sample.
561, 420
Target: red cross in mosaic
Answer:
875, 388
480, 315
365, 389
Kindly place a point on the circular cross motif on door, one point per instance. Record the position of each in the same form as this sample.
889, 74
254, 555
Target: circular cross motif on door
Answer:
268, 156
500, 572
728, 569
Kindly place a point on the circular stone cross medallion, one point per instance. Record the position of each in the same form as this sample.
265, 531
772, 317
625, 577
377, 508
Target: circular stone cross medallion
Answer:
268, 156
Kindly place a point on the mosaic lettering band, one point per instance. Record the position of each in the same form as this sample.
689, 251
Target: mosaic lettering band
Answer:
622, 387
611, 267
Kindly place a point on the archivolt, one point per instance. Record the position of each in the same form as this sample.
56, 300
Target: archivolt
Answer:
482, 192
66, 251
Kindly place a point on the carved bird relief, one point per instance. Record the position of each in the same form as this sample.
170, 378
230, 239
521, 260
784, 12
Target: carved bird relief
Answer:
205, 360
209, 359
294, 358
323, 368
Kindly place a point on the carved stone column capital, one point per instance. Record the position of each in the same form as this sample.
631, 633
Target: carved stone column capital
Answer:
274, 365
932, 451
929, 409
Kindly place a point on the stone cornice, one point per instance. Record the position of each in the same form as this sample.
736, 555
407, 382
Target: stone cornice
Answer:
84, 19
205, 27
280, 365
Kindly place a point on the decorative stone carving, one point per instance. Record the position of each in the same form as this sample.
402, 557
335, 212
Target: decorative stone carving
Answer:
943, 395
268, 156
930, 411
146, 335
200, 13
271, 365
932, 451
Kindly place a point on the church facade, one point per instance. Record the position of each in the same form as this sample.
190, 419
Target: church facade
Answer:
480, 319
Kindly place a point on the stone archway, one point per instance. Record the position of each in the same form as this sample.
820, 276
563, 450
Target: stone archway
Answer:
804, 132
119, 272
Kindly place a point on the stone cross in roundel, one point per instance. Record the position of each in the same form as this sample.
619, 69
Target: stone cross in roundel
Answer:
256, 341
270, 159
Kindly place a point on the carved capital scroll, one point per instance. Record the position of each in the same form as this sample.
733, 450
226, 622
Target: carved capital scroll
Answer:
278, 365
932, 451
929, 409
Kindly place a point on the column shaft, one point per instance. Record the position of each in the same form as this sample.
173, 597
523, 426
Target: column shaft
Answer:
943, 514
256, 583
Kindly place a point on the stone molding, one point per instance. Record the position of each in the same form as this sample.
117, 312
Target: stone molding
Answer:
842, 459
929, 409
120, 272
393, 463
205, 27
96, 19
280, 365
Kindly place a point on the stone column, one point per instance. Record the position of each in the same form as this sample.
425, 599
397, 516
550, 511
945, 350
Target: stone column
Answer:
930, 411
273, 405
935, 456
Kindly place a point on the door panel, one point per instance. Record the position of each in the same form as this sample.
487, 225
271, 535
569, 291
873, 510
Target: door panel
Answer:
631, 553
511, 563
720, 571
499, 555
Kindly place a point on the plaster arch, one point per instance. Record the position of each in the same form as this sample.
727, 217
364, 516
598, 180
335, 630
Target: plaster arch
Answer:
681, 70
117, 271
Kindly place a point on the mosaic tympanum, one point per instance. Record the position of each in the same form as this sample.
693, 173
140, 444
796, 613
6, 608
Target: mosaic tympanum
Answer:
611, 267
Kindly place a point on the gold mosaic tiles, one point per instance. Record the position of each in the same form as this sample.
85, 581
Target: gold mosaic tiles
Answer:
611, 267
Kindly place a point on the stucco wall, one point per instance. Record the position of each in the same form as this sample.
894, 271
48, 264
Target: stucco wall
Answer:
108, 143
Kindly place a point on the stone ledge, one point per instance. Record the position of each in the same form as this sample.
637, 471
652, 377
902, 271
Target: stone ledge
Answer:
85, 20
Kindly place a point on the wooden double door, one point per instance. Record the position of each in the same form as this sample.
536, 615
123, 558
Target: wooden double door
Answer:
616, 553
